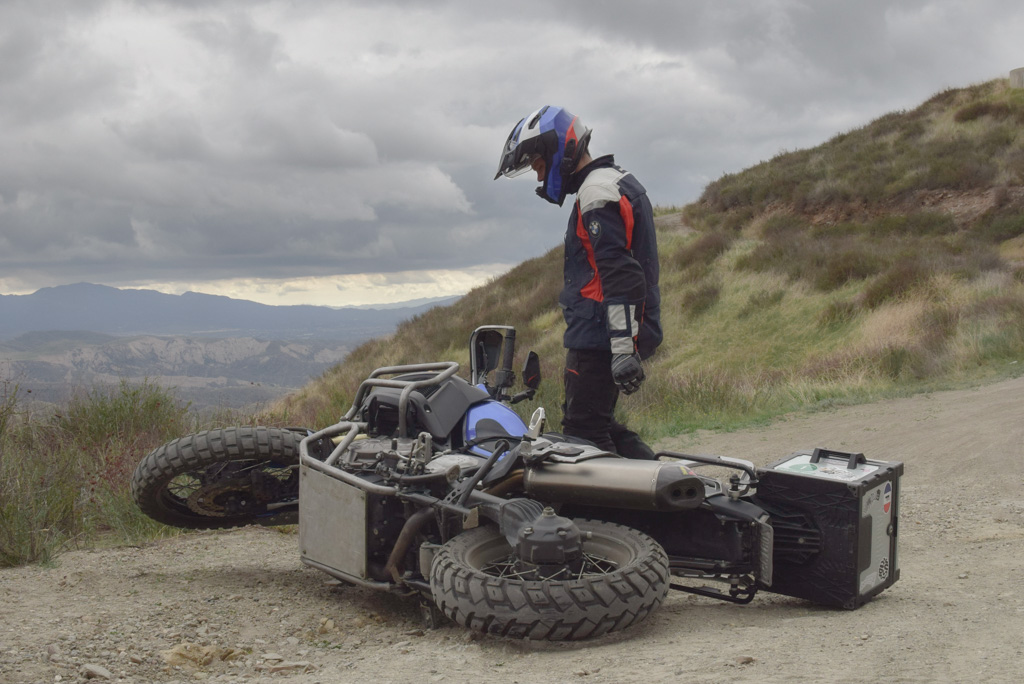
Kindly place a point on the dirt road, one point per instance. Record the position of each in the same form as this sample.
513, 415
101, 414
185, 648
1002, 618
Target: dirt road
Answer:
239, 607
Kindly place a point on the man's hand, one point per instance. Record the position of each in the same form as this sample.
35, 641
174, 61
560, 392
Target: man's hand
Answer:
627, 372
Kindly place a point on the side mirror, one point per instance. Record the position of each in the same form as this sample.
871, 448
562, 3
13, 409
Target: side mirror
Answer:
486, 352
531, 371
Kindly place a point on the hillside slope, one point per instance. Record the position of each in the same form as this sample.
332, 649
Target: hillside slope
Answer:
888, 260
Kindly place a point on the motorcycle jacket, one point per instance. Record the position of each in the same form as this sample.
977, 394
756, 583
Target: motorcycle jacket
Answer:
610, 297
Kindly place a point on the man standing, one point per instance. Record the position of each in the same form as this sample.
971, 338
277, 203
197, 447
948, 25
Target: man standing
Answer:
610, 297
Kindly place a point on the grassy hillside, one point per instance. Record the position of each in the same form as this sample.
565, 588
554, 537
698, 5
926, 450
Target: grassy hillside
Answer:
885, 261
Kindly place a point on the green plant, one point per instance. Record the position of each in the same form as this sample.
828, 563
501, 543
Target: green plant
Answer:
1001, 224
64, 476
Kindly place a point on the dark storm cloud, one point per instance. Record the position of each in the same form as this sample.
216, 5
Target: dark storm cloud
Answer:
169, 139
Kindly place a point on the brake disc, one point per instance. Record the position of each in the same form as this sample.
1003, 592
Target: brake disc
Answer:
209, 500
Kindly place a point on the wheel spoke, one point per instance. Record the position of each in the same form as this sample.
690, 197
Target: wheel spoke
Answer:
505, 568
597, 565
184, 486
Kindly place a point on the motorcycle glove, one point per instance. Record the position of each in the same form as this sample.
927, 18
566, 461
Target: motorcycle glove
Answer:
627, 372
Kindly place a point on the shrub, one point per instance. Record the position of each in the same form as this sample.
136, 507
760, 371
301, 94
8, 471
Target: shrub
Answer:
938, 325
704, 250
695, 272
700, 299
886, 124
112, 415
59, 474
837, 313
953, 172
845, 262
1014, 164
782, 226
996, 110
1000, 225
899, 279
895, 361
912, 131
914, 223
736, 220
830, 260
995, 140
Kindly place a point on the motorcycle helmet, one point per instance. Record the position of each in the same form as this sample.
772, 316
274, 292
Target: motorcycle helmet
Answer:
551, 134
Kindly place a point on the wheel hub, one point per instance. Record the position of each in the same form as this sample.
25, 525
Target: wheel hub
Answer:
229, 497
550, 548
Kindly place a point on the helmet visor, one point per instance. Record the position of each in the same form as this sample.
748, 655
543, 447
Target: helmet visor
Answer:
514, 159
524, 164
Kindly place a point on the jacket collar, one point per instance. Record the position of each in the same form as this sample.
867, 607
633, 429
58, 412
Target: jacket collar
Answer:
576, 179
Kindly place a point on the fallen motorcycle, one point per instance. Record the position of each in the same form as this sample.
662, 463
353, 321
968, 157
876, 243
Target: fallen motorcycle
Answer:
432, 486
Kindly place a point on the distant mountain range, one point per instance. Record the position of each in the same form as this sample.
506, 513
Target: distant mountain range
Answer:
109, 310
209, 372
215, 351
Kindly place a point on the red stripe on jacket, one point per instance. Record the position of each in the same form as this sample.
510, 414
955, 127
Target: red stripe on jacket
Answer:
591, 290
626, 211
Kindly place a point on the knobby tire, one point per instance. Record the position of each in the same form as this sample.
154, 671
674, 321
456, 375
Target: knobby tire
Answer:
553, 610
192, 456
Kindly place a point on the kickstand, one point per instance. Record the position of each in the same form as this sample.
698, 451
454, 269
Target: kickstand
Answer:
432, 617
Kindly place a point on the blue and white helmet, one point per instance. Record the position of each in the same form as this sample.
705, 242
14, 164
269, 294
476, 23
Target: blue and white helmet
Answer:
551, 134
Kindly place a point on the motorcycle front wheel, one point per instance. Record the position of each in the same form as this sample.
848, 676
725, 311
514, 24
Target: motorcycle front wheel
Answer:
221, 478
624, 580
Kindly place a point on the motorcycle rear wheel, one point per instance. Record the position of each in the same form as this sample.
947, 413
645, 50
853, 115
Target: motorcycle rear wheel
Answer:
627, 583
220, 478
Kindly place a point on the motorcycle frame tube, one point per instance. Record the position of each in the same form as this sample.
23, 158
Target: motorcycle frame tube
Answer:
445, 370
471, 483
351, 579
328, 468
413, 525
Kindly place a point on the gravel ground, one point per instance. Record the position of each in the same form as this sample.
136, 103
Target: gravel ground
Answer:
238, 606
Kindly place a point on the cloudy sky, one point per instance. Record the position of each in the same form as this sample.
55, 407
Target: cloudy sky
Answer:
343, 152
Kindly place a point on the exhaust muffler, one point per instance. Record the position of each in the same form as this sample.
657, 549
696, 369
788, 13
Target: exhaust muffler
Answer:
616, 483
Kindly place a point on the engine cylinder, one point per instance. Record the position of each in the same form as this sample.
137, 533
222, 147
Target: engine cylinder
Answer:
616, 483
